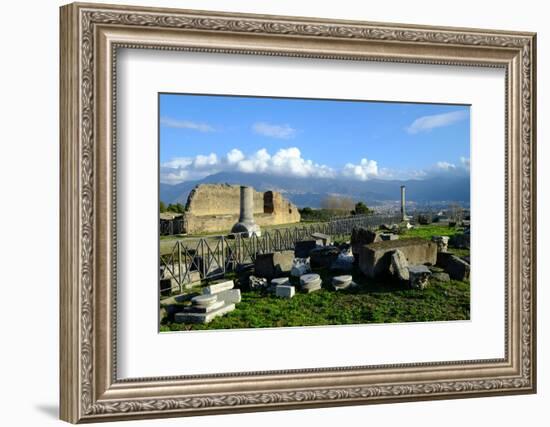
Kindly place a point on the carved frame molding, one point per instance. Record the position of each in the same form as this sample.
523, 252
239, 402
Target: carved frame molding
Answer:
90, 36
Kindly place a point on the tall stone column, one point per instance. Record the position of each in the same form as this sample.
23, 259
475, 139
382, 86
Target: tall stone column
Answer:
403, 213
246, 225
247, 204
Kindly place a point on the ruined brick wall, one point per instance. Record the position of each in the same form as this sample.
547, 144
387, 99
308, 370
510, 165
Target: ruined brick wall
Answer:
215, 208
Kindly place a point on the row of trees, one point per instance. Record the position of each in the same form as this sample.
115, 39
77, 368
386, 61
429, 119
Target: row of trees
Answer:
172, 207
332, 206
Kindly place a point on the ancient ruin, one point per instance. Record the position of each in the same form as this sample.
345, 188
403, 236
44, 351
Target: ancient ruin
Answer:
217, 207
246, 225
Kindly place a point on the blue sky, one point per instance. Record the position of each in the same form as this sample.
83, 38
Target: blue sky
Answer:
200, 135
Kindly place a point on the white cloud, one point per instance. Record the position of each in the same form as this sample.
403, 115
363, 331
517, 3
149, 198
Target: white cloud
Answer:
290, 162
286, 161
446, 166
234, 156
427, 123
364, 170
274, 131
186, 124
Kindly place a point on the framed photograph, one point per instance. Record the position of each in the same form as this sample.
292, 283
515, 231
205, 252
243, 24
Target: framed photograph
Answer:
267, 212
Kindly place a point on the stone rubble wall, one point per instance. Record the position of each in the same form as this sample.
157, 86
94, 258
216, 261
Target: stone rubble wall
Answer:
216, 207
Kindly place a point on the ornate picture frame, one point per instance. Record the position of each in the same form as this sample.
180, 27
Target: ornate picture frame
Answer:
90, 37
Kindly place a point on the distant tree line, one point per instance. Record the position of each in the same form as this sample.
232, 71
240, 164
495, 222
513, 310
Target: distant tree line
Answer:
334, 206
172, 207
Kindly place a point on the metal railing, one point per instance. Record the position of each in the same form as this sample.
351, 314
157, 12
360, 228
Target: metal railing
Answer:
213, 256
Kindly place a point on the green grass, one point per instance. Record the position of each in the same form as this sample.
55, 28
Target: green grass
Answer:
369, 302
372, 301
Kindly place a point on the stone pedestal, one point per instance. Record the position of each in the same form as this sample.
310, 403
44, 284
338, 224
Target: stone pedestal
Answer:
246, 225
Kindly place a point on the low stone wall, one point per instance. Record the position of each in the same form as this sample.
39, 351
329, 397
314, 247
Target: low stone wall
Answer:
216, 208
375, 259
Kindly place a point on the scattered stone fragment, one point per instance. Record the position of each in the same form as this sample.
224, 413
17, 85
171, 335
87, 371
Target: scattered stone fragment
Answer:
300, 266
255, 282
424, 219
273, 264
344, 261
457, 268
284, 291
342, 282
442, 243
322, 239
361, 236
230, 296
165, 287
192, 317
419, 276
280, 281
204, 300
399, 266
310, 282
460, 240
375, 259
323, 257
302, 248
218, 287
206, 308
441, 277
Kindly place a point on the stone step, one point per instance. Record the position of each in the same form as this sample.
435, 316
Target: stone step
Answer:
204, 309
190, 317
204, 300
218, 287
346, 278
230, 296
285, 291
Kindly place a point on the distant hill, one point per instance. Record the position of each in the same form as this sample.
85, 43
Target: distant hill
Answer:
310, 191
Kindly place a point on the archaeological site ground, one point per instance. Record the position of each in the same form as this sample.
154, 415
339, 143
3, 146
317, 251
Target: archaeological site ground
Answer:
280, 212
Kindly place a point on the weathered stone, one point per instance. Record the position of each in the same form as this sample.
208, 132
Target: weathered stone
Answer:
442, 243
460, 241
342, 282
344, 262
205, 308
310, 282
165, 287
361, 236
300, 266
246, 226
441, 277
419, 276
388, 236
192, 317
284, 291
323, 239
216, 207
308, 278
302, 248
399, 266
273, 264
204, 300
230, 296
218, 287
312, 286
375, 259
457, 268
323, 257
255, 282
345, 278
424, 219
278, 281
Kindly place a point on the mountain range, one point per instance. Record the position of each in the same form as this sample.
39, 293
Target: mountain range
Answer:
311, 191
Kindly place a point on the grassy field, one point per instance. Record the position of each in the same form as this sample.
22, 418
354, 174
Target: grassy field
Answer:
372, 301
